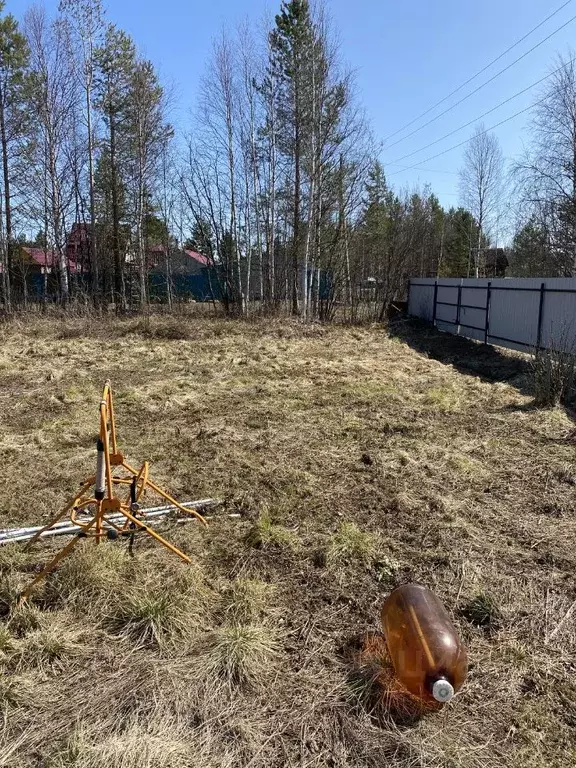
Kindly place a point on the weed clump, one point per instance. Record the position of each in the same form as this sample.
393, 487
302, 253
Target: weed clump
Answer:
153, 616
351, 543
553, 376
264, 533
239, 654
246, 599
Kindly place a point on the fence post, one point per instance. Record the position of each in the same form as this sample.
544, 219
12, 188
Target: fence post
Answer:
408, 298
435, 304
540, 314
487, 320
459, 302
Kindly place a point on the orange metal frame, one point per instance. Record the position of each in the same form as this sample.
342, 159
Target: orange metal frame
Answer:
105, 500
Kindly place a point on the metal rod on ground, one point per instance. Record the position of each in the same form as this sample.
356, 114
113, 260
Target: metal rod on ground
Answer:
24, 534
201, 503
74, 529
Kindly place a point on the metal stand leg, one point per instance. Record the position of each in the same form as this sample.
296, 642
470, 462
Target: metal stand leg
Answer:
53, 563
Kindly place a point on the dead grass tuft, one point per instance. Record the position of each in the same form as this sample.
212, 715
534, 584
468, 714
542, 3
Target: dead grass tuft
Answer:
10, 694
246, 600
350, 543
239, 654
13, 557
9, 592
50, 646
153, 616
482, 612
90, 578
264, 533
6, 643
134, 748
23, 619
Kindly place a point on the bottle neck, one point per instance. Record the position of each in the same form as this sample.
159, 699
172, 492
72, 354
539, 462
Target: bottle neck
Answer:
441, 689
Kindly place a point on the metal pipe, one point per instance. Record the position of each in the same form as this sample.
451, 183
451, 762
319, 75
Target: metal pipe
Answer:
65, 527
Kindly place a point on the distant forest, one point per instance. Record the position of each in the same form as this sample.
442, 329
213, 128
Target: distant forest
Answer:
274, 201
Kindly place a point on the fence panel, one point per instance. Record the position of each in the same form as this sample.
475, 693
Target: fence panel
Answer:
519, 313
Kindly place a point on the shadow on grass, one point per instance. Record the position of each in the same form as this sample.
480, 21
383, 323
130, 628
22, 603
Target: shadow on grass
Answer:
467, 356
374, 686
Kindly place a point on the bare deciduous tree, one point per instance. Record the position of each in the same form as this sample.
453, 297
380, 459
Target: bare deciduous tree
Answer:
87, 21
547, 172
481, 184
55, 98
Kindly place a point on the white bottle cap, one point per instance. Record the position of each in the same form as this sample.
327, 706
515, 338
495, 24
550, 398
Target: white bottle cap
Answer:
442, 691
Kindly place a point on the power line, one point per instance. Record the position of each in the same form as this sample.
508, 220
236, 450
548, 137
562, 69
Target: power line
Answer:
428, 170
461, 144
484, 114
487, 82
481, 71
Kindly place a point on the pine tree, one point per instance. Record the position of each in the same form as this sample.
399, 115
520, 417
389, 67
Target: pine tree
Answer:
291, 47
14, 58
531, 252
459, 245
148, 133
116, 60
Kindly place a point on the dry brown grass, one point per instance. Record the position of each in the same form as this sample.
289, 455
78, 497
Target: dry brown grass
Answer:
356, 463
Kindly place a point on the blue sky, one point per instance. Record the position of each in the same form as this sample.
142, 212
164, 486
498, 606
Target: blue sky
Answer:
406, 56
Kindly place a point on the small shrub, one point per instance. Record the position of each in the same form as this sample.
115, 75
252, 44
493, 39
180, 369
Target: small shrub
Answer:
171, 330
553, 376
265, 533
239, 654
350, 543
70, 333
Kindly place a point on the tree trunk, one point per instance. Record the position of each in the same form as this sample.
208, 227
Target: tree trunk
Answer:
94, 272
296, 223
56, 225
272, 238
477, 265
9, 273
119, 300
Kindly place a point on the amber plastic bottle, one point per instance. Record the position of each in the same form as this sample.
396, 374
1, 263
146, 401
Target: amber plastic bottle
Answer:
428, 657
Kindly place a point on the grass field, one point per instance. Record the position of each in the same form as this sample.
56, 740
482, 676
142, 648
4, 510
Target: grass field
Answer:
356, 463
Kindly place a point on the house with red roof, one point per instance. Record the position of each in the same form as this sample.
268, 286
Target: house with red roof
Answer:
181, 262
42, 261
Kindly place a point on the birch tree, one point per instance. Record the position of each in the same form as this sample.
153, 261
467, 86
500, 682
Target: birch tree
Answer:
86, 18
547, 172
481, 180
55, 100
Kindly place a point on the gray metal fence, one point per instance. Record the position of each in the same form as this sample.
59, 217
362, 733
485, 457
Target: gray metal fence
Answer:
519, 313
